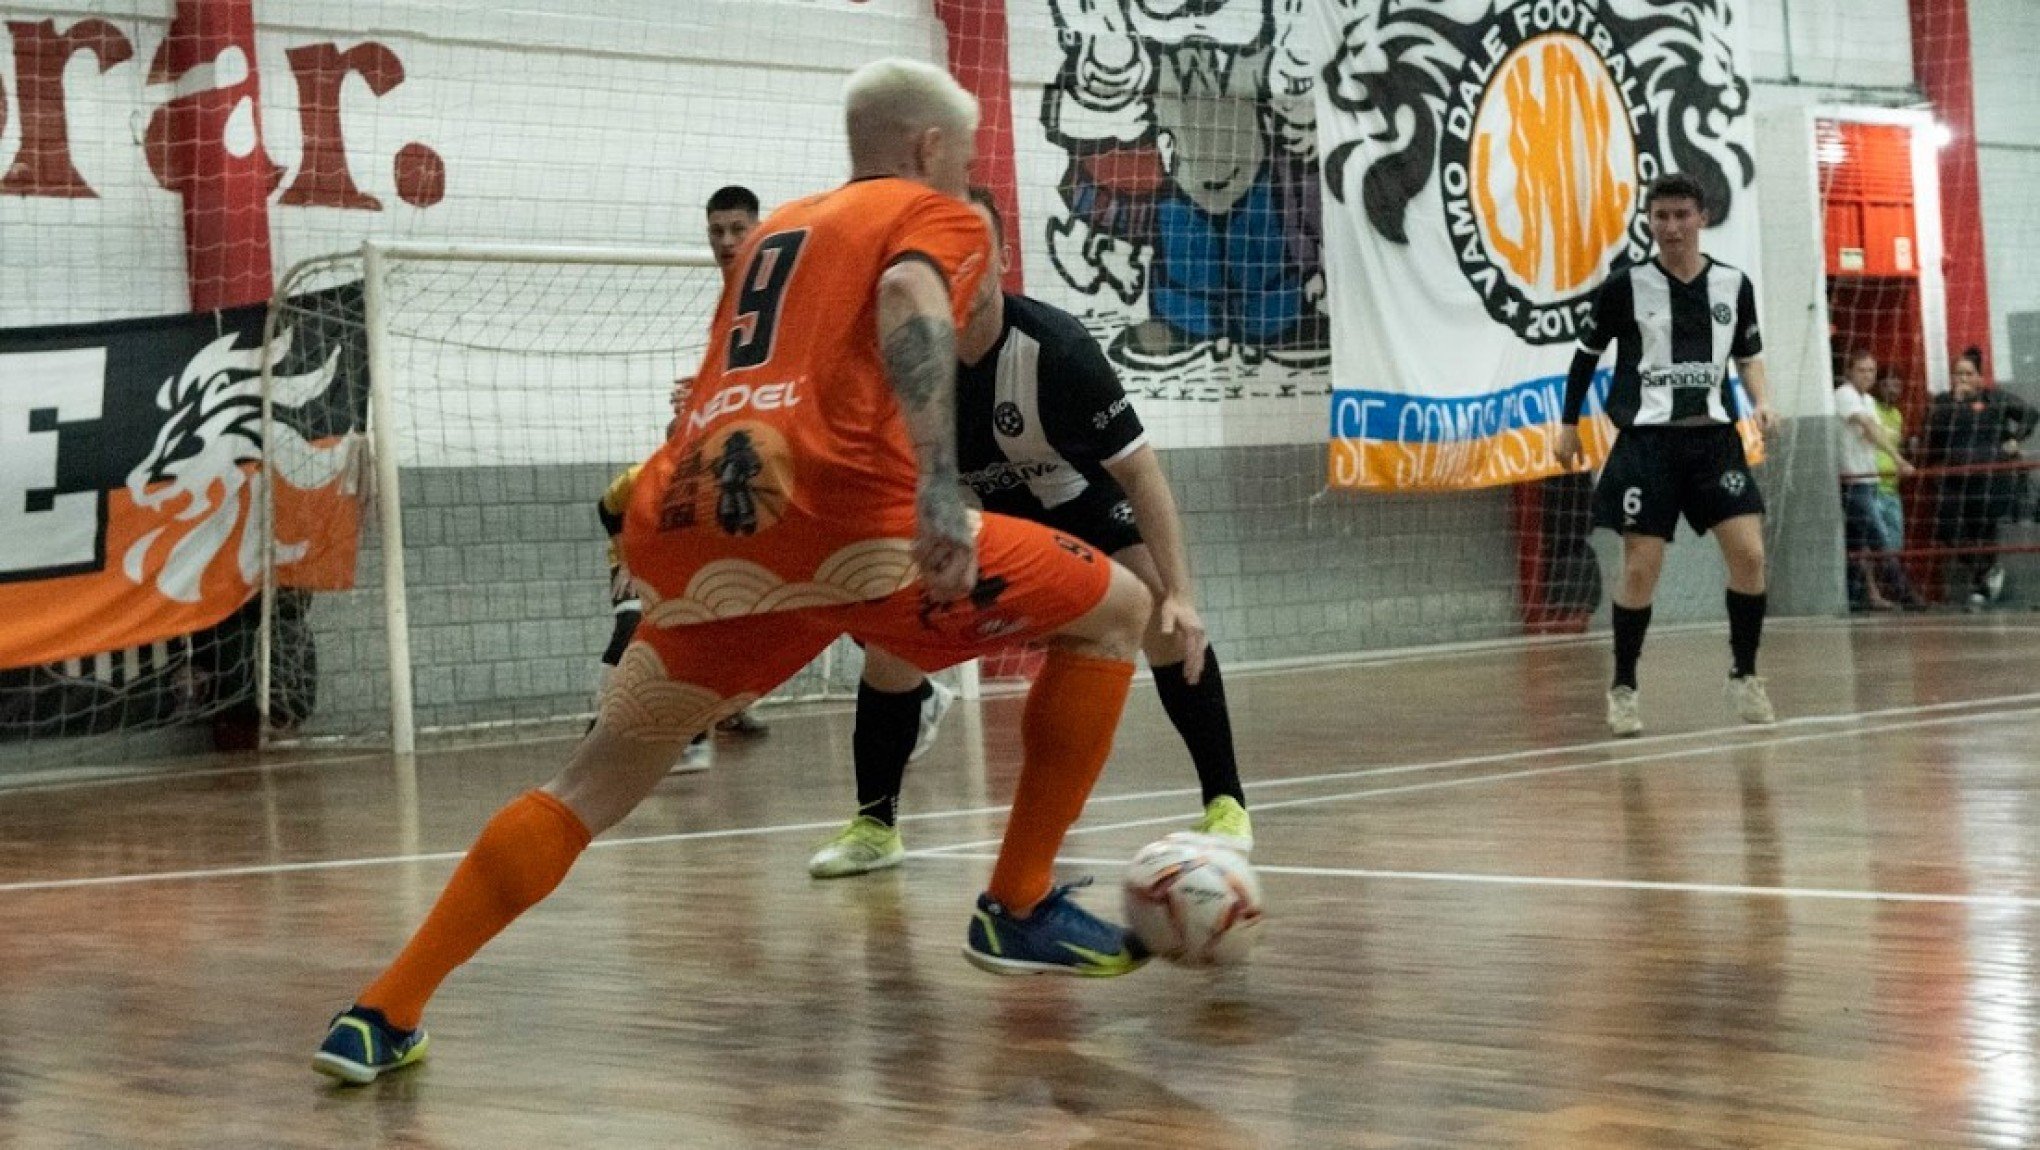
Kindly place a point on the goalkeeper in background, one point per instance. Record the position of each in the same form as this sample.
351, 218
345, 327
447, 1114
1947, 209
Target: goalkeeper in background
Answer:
731, 215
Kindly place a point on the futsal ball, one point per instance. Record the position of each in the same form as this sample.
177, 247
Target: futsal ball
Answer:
1194, 900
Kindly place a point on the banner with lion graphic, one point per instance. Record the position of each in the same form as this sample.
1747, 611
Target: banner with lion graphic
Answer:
131, 491
1484, 165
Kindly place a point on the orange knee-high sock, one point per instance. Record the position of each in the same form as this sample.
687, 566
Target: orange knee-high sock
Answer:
1065, 736
520, 857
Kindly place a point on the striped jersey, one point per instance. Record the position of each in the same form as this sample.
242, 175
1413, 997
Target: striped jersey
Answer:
1041, 414
1673, 342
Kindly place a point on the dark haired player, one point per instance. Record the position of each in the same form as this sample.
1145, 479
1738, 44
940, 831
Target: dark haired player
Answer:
1677, 322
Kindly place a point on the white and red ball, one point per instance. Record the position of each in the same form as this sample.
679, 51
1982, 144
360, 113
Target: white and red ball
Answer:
1194, 900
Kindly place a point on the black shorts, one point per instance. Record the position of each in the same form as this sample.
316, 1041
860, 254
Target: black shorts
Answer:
1656, 474
1101, 516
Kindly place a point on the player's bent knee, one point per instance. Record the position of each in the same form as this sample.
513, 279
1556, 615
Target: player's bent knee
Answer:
887, 672
1114, 628
1642, 572
1136, 603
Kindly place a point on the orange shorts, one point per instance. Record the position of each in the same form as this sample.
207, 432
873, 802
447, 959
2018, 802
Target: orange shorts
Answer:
1032, 582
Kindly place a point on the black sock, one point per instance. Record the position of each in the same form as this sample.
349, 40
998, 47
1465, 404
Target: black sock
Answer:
1745, 630
887, 725
1198, 710
1630, 625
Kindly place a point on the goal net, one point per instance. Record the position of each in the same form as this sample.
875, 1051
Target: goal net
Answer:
513, 385
1939, 511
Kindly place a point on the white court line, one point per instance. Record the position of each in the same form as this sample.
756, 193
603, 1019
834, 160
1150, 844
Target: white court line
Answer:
1531, 773
1301, 665
1829, 719
33, 885
1474, 647
443, 856
2013, 901
1295, 781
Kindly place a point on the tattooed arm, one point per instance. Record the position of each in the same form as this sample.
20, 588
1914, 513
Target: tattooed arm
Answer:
917, 337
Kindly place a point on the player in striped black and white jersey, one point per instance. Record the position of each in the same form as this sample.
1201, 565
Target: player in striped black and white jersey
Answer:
1046, 433
1677, 322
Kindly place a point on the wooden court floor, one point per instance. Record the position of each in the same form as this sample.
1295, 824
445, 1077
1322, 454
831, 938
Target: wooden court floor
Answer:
1492, 926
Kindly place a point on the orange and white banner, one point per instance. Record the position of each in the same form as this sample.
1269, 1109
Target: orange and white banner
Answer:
1484, 165
131, 486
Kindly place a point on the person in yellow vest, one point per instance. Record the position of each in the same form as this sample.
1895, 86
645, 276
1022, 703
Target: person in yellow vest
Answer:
732, 214
1887, 509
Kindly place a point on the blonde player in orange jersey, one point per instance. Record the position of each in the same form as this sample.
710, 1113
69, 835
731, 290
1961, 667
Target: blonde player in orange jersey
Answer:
811, 491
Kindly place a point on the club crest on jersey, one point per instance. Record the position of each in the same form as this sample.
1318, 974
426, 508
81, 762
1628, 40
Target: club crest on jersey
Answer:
1007, 419
1722, 315
1539, 123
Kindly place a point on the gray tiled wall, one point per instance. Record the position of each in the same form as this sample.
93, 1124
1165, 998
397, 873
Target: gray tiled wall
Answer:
509, 606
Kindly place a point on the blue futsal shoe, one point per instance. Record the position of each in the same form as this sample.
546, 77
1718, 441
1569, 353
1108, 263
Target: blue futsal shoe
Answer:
1060, 937
362, 1045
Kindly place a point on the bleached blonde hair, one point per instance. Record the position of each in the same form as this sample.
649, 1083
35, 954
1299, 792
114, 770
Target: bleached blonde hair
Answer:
887, 104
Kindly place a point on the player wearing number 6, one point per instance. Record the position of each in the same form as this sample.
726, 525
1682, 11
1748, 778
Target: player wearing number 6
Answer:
1676, 323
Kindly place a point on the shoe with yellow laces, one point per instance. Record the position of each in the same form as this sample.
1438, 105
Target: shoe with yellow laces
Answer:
1056, 937
361, 1045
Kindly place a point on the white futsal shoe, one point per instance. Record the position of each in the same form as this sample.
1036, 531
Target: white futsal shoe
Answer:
1750, 700
1624, 719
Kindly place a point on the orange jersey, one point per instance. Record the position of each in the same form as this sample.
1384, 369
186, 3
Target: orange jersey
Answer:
790, 479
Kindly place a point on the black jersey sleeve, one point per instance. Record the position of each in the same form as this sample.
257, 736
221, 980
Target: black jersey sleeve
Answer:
1613, 313
1612, 316
1086, 413
1749, 340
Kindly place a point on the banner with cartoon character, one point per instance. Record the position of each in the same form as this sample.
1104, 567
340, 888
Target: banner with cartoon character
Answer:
1186, 231
131, 490
1484, 167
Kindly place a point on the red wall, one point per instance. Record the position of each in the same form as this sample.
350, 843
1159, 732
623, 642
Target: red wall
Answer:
1941, 63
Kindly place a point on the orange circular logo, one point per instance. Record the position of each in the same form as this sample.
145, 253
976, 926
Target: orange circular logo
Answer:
1554, 166
738, 479
1542, 164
